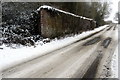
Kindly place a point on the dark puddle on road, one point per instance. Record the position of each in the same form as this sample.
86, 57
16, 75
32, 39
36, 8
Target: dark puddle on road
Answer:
114, 28
109, 28
92, 41
106, 42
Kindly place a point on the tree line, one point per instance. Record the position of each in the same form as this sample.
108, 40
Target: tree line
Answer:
95, 10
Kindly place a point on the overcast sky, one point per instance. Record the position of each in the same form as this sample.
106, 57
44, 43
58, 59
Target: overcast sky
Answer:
114, 7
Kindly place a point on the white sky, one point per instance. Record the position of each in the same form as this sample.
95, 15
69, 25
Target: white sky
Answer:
114, 7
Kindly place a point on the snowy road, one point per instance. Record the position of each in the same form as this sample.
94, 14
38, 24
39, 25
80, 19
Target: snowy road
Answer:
72, 61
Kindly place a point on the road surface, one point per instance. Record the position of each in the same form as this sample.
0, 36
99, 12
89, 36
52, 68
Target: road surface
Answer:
77, 60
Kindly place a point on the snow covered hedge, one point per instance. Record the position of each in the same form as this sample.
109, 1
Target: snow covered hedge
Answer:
55, 22
17, 24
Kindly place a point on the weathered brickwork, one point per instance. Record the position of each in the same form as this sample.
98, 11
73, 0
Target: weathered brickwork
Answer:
55, 23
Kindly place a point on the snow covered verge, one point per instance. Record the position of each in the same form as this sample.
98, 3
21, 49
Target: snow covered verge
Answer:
114, 64
114, 61
11, 57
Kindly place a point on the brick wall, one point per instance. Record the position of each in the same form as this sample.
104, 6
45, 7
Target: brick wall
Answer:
54, 23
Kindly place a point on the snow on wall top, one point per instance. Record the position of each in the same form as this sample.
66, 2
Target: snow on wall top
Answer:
55, 9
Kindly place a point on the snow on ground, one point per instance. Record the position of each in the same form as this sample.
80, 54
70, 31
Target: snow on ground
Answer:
114, 64
114, 61
10, 57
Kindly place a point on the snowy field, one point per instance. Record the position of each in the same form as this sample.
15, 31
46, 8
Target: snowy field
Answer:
10, 57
